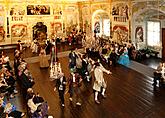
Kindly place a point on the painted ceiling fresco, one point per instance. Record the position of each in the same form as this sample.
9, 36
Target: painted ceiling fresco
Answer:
148, 10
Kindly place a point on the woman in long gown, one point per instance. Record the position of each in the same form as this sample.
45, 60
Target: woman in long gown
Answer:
34, 46
124, 58
43, 59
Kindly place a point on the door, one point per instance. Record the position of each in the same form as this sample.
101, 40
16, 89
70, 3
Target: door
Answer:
163, 44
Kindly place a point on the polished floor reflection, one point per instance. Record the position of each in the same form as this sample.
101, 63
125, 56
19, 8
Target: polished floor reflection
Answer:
130, 94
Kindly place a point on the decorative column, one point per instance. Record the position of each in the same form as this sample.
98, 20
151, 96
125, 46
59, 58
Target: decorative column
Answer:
7, 2
129, 20
80, 16
110, 17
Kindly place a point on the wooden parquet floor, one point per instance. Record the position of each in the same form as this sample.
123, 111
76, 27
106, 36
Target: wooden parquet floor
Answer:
129, 95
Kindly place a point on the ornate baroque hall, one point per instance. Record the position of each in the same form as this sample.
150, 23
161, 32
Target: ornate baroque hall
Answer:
82, 58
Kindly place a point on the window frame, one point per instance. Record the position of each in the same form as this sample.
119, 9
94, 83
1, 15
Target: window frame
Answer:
157, 44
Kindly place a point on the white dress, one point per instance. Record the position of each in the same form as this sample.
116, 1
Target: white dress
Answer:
99, 79
34, 46
43, 59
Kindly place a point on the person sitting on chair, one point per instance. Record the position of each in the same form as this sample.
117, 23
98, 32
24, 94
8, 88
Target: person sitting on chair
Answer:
158, 75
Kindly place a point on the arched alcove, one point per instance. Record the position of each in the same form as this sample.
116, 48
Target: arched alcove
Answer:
140, 21
40, 32
101, 23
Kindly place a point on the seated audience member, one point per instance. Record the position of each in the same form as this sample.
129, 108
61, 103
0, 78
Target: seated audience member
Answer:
26, 79
32, 105
37, 106
11, 111
29, 94
134, 53
5, 88
6, 62
42, 111
163, 72
37, 99
158, 74
10, 80
37, 113
2, 105
112, 58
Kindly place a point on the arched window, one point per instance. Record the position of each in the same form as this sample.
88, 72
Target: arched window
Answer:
153, 33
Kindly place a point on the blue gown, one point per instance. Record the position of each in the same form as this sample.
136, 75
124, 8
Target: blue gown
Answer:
124, 59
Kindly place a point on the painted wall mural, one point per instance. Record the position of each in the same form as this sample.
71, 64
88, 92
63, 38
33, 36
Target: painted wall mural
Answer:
2, 34
137, 6
17, 10
56, 28
71, 22
17, 13
104, 7
120, 12
71, 15
139, 34
38, 10
121, 33
19, 30
40, 32
86, 19
57, 11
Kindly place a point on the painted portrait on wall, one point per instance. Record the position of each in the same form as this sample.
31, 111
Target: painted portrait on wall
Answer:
38, 10
115, 10
56, 28
120, 9
120, 33
71, 15
97, 27
2, 34
17, 10
57, 10
19, 30
139, 34
40, 32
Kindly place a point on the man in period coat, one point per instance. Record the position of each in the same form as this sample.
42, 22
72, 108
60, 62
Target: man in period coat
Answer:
61, 86
99, 80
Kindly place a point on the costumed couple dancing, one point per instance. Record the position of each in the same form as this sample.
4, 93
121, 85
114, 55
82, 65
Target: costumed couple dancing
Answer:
75, 82
99, 83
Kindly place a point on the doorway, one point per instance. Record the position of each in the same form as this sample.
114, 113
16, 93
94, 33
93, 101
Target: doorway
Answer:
163, 44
